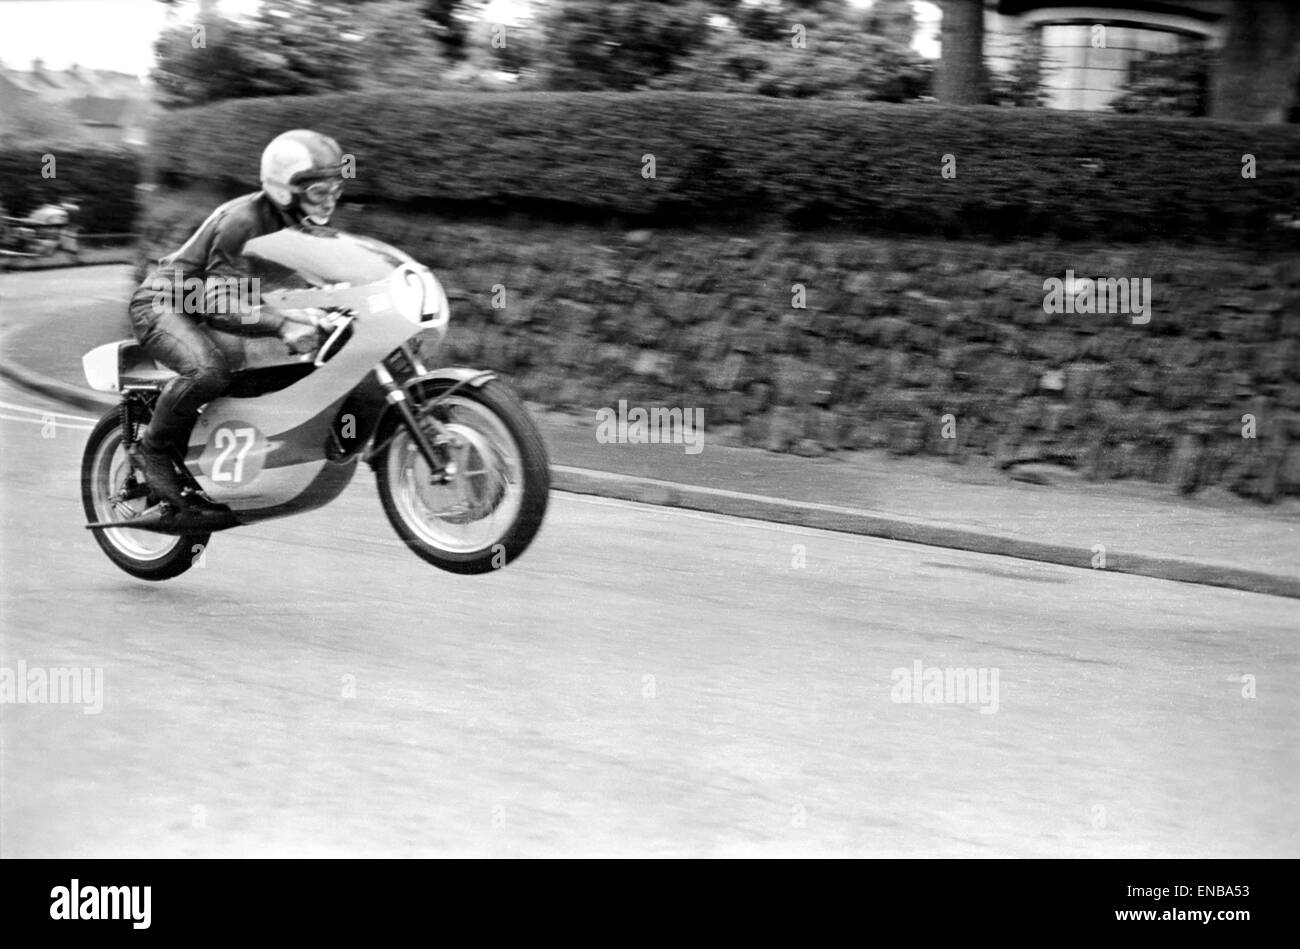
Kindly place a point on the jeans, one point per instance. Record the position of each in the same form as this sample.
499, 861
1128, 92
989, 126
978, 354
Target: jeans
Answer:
181, 344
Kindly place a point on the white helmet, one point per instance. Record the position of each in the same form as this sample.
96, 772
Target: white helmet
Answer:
293, 162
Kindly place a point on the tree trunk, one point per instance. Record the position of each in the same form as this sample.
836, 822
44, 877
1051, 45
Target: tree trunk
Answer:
960, 78
1260, 63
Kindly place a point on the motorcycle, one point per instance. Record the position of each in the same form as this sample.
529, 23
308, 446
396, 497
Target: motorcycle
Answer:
43, 232
462, 471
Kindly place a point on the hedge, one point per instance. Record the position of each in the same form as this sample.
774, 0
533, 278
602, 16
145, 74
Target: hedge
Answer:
102, 181
807, 163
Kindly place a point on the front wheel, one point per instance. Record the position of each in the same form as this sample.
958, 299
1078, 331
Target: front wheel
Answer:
486, 510
111, 491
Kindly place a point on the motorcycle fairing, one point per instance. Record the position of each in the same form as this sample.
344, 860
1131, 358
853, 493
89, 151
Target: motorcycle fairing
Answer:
268, 455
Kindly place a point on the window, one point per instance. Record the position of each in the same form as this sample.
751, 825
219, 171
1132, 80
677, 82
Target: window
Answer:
1084, 67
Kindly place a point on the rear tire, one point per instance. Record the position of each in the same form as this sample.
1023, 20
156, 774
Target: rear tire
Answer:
146, 555
503, 469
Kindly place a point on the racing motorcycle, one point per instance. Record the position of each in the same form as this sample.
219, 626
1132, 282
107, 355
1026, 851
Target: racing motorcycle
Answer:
43, 232
461, 468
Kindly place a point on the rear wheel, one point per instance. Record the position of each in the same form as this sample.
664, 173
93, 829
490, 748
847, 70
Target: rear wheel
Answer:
110, 491
489, 507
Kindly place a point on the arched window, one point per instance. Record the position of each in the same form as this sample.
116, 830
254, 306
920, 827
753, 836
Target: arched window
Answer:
1085, 65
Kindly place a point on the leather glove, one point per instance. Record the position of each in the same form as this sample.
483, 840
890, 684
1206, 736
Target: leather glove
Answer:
309, 316
300, 337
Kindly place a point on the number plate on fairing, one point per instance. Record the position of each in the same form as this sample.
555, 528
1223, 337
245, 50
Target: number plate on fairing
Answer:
234, 454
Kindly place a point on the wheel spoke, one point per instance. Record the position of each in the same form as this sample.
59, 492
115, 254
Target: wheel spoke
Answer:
476, 504
111, 474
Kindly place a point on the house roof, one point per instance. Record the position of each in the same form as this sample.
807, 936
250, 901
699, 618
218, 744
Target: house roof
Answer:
68, 83
18, 80
74, 100
100, 110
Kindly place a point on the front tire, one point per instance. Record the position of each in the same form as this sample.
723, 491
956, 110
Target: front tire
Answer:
105, 473
490, 509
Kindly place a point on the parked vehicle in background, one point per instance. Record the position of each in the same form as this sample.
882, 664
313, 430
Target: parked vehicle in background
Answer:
42, 233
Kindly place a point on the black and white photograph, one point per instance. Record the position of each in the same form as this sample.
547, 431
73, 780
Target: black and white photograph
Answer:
669, 429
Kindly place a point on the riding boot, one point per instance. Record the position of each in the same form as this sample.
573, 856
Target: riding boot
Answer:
163, 442
159, 470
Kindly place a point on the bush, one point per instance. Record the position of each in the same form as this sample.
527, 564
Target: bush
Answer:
102, 181
810, 163
1168, 84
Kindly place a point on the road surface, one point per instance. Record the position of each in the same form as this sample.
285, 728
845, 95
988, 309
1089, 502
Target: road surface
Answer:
644, 681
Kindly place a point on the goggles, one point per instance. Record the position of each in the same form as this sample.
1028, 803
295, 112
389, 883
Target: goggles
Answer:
319, 191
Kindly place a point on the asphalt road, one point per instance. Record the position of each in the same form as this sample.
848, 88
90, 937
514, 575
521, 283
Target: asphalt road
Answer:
643, 681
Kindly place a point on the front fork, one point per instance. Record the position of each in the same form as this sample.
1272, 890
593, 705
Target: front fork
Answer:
433, 450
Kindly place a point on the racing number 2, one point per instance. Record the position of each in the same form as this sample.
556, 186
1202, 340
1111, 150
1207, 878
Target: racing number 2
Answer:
232, 441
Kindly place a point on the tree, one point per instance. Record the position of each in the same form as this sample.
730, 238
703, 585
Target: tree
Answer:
1167, 84
1022, 87
961, 78
1259, 68
399, 47
619, 44
28, 119
757, 21
894, 20
450, 29
297, 47
290, 47
836, 57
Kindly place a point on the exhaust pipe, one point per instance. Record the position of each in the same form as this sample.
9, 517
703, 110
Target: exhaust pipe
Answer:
184, 522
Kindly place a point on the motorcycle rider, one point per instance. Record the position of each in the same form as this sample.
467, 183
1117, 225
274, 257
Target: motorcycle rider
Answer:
302, 178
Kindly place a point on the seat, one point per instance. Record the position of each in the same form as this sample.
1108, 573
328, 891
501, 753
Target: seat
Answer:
135, 367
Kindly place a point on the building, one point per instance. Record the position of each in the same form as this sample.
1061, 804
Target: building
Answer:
111, 120
78, 105
1085, 52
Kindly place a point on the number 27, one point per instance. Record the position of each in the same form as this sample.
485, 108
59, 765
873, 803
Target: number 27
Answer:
227, 441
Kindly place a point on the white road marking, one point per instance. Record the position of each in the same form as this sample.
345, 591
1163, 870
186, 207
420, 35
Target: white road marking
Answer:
46, 421
24, 408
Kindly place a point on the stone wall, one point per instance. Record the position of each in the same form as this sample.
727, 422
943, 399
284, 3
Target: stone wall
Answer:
895, 335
